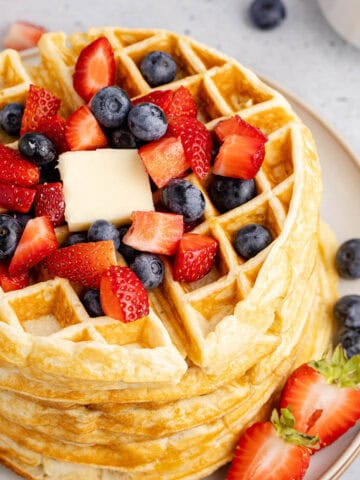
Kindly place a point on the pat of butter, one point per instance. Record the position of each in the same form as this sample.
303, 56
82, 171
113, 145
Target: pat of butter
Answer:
103, 184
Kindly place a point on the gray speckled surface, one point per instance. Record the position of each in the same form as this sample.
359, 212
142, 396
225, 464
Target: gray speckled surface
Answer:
304, 54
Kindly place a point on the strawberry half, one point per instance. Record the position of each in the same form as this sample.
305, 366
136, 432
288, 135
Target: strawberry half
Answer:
10, 282
182, 104
197, 143
237, 126
83, 263
94, 69
155, 232
194, 257
82, 131
164, 159
122, 295
40, 104
36, 243
18, 199
272, 451
49, 200
324, 396
54, 128
22, 35
14, 169
161, 98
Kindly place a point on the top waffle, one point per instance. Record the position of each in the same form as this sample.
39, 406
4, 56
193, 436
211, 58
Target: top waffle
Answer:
200, 334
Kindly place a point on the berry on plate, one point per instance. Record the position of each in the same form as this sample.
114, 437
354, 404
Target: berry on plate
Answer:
182, 197
49, 200
22, 218
147, 122
110, 106
155, 232
122, 295
348, 259
83, 132
127, 252
161, 98
10, 282
18, 199
54, 128
122, 138
182, 104
149, 268
83, 262
350, 341
228, 193
10, 118
92, 304
36, 243
272, 451
158, 68
267, 14
40, 104
103, 230
74, 238
323, 396
251, 239
10, 233
38, 148
23, 35
94, 69
15, 170
347, 311
194, 257
237, 126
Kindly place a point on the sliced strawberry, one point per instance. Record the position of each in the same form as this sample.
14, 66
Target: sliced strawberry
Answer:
14, 169
49, 200
122, 295
164, 159
54, 128
83, 263
155, 232
237, 126
18, 199
182, 104
10, 282
197, 143
39, 104
22, 35
94, 69
272, 451
161, 98
239, 157
83, 132
36, 243
194, 257
324, 397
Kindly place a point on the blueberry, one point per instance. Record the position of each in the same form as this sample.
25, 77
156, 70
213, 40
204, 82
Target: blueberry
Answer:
228, 193
126, 251
347, 311
74, 238
38, 148
350, 340
10, 233
10, 118
149, 268
267, 14
183, 198
92, 304
147, 122
103, 230
158, 68
49, 173
22, 218
110, 106
122, 138
348, 259
251, 239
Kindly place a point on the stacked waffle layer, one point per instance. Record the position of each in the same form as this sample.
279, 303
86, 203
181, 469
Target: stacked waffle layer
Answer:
167, 396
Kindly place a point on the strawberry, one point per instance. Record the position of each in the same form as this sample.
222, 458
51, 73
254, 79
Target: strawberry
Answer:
239, 157
324, 396
164, 159
18, 199
194, 257
197, 143
14, 169
161, 98
40, 104
182, 104
12, 282
49, 200
155, 232
83, 262
22, 35
272, 451
36, 243
237, 126
54, 128
94, 69
83, 132
122, 295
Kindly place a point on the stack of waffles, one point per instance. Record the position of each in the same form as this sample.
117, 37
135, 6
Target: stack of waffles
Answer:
167, 396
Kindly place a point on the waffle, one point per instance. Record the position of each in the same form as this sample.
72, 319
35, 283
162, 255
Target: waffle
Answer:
168, 395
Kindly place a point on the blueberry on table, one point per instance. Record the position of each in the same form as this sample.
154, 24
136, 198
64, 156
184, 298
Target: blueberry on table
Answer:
92, 304
347, 311
228, 193
158, 68
348, 259
149, 268
103, 230
251, 239
74, 238
10, 118
350, 340
147, 122
126, 251
110, 106
38, 148
182, 197
122, 138
267, 14
10, 233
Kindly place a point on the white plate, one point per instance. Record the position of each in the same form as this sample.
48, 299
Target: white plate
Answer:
341, 200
